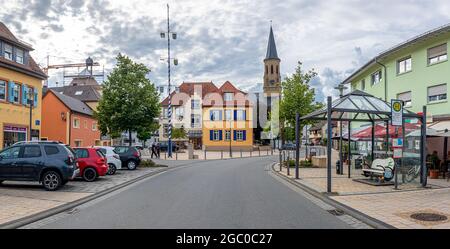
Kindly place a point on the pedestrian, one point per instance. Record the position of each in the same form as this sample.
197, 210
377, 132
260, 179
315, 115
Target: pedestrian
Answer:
158, 150
154, 151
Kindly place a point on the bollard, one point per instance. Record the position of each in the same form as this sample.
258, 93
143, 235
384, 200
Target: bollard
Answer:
221, 154
281, 162
241, 153
259, 151
205, 154
288, 166
176, 155
251, 152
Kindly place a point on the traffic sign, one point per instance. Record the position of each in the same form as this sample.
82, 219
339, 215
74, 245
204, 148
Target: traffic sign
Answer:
396, 112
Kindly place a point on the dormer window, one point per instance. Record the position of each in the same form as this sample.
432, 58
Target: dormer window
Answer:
78, 93
19, 56
228, 96
8, 51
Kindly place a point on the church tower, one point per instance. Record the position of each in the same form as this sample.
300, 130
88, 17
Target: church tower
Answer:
272, 78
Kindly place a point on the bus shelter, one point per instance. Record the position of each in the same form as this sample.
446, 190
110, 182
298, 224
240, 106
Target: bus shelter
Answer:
359, 106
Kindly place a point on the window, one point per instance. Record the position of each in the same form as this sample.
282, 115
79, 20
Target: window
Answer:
437, 54
406, 98
103, 151
240, 115
404, 65
228, 115
94, 126
161, 89
81, 153
215, 135
376, 77
227, 135
195, 104
215, 115
228, 96
277, 69
166, 130
437, 93
2, 90
78, 143
179, 113
31, 152
78, 93
11, 153
51, 150
121, 150
8, 51
19, 56
16, 93
271, 69
165, 112
196, 120
85, 124
363, 85
76, 123
267, 69
240, 135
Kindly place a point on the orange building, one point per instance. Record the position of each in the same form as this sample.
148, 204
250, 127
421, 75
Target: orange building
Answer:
68, 120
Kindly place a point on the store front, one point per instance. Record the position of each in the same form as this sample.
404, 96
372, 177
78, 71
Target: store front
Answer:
13, 134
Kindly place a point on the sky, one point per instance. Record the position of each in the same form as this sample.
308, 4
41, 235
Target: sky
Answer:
220, 40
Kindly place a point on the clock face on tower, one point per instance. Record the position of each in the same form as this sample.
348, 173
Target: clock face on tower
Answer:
272, 82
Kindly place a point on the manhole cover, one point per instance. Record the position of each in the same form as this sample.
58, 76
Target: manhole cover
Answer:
430, 217
336, 212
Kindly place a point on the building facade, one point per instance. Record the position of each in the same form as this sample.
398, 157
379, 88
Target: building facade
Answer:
20, 84
68, 120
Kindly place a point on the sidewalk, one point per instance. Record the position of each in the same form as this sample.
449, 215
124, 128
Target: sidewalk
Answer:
24, 199
213, 155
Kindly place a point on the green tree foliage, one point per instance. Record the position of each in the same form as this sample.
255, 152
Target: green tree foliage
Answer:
179, 133
130, 101
297, 97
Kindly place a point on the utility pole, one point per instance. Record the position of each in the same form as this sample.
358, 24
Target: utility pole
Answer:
174, 36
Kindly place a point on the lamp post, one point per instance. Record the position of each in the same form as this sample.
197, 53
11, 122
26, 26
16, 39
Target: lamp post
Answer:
30, 97
172, 35
231, 152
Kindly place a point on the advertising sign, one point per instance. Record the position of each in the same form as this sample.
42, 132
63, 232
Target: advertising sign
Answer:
397, 142
398, 153
396, 112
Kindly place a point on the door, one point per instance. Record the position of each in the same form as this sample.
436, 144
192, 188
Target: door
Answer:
31, 161
9, 168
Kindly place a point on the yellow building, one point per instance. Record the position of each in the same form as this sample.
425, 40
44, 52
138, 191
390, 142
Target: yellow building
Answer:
227, 120
20, 84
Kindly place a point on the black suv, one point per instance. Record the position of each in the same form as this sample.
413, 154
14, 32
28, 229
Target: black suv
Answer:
50, 163
130, 156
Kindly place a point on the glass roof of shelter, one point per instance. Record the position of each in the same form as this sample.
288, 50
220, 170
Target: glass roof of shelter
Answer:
358, 106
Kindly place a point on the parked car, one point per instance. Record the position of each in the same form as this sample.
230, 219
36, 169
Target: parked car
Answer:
92, 163
112, 158
289, 146
165, 146
50, 163
129, 155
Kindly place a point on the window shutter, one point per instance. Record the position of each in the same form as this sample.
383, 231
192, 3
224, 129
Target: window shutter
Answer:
234, 135
220, 135
36, 98
24, 94
235, 115
405, 96
11, 91
437, 90
244, 135
220, 115
245, 115
211, 135
437, 51
211, 117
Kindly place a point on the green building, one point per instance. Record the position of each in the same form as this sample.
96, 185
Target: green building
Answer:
416, 71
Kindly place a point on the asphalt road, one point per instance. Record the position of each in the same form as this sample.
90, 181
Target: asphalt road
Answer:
229, 194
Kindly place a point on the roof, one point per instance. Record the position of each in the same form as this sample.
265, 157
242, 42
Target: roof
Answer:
271, 47
84, 80
228, 87
73, 104
85, 93
30, 67
408, 43
189, 89
357, 106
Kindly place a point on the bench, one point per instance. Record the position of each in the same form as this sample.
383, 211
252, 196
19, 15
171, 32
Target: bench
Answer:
383, 169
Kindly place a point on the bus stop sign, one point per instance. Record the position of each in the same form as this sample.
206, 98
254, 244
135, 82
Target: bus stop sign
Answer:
396, 112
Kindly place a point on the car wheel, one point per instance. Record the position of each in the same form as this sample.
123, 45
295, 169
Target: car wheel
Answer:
131, 165
111, 169
51, 180
89, 175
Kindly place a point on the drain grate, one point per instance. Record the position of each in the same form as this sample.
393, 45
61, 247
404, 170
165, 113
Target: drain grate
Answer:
336, 212
429, 217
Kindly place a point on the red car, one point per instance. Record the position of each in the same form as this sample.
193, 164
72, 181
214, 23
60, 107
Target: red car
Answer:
92, 163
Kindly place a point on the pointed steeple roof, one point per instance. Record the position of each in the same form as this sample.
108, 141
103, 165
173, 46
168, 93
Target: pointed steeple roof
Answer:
271, 47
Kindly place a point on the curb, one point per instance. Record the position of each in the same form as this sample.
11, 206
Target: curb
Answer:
347, 210
47, 213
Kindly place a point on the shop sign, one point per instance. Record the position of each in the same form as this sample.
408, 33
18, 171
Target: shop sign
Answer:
396, 112
10, 128
397, 143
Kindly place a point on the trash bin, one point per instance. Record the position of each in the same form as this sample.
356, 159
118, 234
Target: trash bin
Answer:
338, 167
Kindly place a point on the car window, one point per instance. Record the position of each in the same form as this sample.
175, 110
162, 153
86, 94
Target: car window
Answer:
10, 153
100, 153
51, 150
103, 150
31, 152
121, 150
82, 153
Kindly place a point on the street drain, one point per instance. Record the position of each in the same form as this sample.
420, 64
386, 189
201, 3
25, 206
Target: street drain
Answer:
336, 212
429, 217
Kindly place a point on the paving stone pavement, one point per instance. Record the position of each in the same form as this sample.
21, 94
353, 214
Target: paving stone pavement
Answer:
22, 199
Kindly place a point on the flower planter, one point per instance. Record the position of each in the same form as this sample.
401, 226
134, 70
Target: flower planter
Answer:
434, 174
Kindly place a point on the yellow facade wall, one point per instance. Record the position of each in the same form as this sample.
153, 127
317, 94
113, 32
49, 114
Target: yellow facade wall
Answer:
15, 114
208, 125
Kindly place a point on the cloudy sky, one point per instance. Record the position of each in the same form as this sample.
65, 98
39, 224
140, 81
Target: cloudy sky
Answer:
221, 40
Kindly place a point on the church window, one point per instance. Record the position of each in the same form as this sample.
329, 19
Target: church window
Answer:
271, 69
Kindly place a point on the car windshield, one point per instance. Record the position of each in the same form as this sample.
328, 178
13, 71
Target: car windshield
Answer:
70, 151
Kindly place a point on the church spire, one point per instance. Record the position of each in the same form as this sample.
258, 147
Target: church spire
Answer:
271, 47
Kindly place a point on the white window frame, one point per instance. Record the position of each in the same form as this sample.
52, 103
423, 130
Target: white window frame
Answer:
227, 135
6, 51
197, 118
404, 65
16, 93
375, 80
20, 55
228, 96
240, 115
94, 126
438, 98
407, 103
75, 125
228, 115
179, 112
240, 135
439, 58
216, 135
195, 104
3, 86
215, 115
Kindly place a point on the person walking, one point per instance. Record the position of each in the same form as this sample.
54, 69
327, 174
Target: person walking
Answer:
158, 150
154, 151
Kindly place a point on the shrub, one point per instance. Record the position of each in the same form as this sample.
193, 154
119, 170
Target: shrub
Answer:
150, 164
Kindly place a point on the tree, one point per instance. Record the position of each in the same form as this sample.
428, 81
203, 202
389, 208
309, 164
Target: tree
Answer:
145, 133
179, 133
298, 97
129, 102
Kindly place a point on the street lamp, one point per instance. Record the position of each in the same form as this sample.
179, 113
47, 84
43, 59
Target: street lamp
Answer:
30, 97
231, 151
175, 61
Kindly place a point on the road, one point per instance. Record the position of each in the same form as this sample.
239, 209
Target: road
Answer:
229, 194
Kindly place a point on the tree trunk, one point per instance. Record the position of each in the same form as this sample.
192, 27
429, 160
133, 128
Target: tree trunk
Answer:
129, 138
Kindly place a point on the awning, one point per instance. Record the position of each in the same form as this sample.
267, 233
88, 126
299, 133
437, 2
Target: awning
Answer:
436, 129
